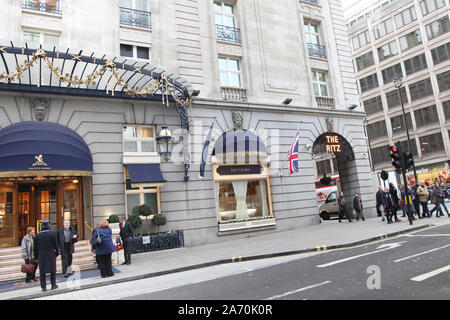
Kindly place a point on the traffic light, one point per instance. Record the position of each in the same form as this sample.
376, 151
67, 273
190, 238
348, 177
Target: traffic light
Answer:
396, 156
408, 158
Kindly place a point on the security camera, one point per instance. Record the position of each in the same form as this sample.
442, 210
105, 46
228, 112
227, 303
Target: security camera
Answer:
353, 106
307, 147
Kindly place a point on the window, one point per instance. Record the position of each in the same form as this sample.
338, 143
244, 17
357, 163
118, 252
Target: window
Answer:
415, 64
405, 17
431, 143
446, 107
373, 105
441, 53
393, 98
135, 13
377, 130
312, 32
361, 40
426, 116
387, 51
225, 22
420, 89
142, 194
50, 6
242, 199
364, 61
443, 80
320, 83
383, 28
429, 6
404, 145
410, 40
230, 73
437, 28
391, 72
40, 37
139, 139
398, 124
380, 154
369, 82
136, 52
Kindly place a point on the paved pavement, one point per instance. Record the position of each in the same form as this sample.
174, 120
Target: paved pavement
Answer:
325, 236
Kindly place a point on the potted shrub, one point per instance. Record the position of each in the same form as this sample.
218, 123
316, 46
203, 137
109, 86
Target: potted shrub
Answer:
159, 220
144, 210
135, 221
113, 221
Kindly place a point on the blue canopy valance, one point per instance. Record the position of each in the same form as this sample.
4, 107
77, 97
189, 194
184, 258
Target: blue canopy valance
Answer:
43, 149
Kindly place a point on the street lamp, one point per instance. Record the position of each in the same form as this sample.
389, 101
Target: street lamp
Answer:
164, 140
398, 84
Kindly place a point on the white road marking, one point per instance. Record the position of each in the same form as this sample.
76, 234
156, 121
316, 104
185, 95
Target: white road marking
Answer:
430, 274
298, 290
421, 253
428, 235
383, 247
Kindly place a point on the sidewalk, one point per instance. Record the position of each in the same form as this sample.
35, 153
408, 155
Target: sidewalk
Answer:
327, 235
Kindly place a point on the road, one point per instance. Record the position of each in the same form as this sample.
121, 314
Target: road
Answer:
411, 266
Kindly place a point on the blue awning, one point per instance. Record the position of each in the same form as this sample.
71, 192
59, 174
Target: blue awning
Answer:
35, 148
145, 173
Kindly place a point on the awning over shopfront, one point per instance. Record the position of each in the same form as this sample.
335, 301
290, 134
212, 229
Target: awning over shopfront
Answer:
43, 149
145, 173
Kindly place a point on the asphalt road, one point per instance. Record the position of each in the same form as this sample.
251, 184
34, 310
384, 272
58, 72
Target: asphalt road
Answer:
414, 266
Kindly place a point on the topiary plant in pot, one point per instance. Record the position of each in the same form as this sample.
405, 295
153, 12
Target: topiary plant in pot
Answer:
135, 220
114, 218
144, 210
159, 220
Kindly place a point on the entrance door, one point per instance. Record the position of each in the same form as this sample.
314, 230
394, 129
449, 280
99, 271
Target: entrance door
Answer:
8, 221
46, 208
71, 206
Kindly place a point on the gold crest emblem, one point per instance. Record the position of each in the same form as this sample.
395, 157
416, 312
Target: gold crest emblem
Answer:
39, 161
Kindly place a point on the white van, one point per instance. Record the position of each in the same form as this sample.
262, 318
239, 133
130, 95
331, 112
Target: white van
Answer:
330, 207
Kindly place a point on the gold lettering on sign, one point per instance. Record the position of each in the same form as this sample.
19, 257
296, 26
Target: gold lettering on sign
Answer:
333, 144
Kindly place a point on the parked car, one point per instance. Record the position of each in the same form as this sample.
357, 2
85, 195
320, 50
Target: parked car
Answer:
330, 207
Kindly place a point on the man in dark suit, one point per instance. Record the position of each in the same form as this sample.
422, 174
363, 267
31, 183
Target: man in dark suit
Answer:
46, 251
66, 236
126, 232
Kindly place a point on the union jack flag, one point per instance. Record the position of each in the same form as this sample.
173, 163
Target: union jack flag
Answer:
293, 155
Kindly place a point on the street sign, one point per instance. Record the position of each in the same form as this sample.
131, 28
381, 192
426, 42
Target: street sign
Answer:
384, 175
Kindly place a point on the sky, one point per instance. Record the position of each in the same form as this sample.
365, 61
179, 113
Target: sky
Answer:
348, 5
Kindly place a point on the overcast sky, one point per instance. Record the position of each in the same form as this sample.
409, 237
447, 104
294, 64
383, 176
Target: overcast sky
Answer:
350, 6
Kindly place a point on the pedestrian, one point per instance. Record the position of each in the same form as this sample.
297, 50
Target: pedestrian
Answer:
46, 251
358, 207
379, 203
67, 237
394, 195
384, 205
440, 199
27, 248
126, 234
343, 208
104, 249
433, 200
390, 206
422, 196
407, 206
415, 200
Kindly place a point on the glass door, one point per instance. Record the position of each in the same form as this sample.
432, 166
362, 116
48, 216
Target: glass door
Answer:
71, 206
46, 206
8, 223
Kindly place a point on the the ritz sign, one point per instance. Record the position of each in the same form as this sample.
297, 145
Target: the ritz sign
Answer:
333, 144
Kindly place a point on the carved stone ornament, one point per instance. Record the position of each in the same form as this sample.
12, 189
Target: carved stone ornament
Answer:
40, 108
238, 119
330, 125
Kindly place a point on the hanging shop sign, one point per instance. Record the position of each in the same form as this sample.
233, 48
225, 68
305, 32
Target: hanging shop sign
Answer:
239, 169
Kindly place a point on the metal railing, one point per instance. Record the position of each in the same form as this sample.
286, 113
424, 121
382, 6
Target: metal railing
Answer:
49, 6
325, 102
237, 94
135, 18
317, 51
230, 34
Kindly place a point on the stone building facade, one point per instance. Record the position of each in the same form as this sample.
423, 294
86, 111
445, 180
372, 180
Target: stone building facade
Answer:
282, 66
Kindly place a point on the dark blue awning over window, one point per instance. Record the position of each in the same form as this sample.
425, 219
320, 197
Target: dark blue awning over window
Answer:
145, 173
34, 148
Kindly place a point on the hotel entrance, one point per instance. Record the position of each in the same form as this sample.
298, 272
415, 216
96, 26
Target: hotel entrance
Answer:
25, 204
45, 174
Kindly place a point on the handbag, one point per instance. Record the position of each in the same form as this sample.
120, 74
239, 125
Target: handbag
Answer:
28, 268
97, 240
119, 247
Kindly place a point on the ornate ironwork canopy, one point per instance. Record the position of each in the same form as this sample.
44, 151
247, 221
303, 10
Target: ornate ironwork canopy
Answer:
27, 68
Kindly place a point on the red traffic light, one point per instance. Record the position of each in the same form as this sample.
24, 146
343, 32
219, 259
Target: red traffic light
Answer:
393, 149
